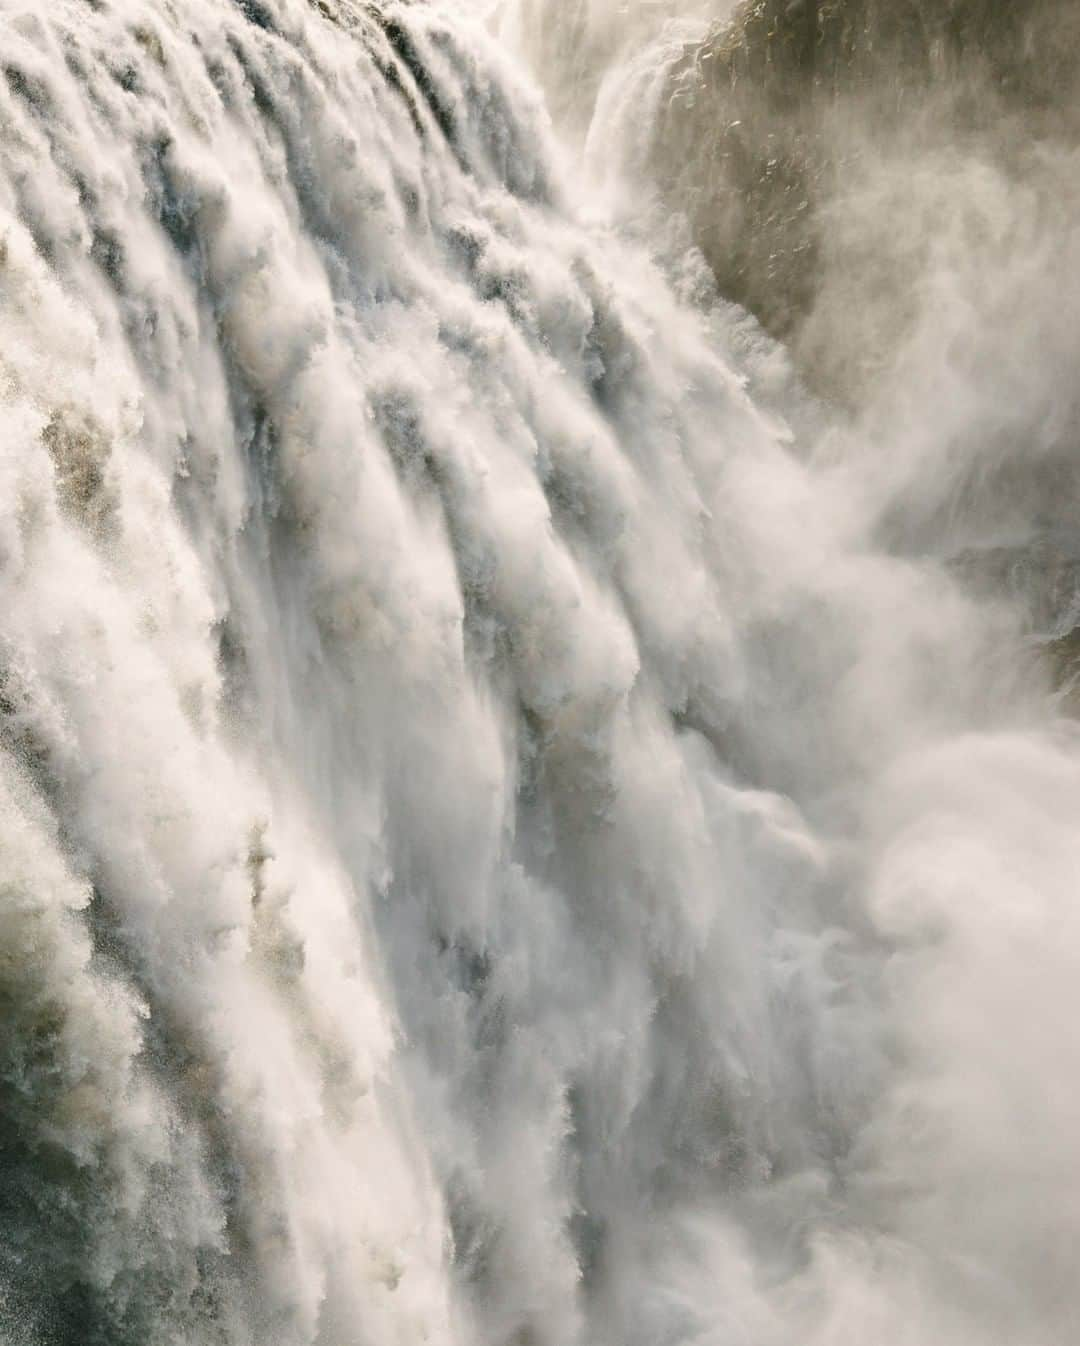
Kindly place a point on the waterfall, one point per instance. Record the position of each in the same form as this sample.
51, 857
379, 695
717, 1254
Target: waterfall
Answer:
517, 826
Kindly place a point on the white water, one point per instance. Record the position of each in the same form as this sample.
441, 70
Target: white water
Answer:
494, 849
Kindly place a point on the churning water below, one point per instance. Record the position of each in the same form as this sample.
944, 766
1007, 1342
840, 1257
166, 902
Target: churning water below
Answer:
496, 846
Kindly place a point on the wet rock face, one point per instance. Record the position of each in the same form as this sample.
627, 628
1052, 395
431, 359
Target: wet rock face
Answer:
774, 120
80, 452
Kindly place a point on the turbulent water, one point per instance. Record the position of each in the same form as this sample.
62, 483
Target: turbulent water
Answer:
516, 826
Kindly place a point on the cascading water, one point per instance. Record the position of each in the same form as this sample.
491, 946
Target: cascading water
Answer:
513, 830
